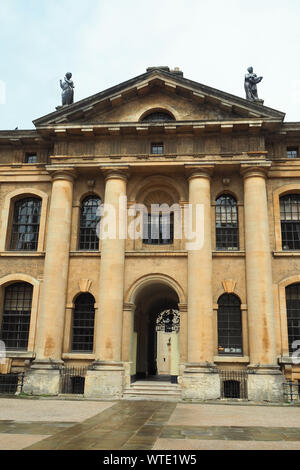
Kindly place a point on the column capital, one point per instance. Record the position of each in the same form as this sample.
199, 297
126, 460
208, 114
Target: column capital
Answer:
199, 171
58, 172
255, 170
115, 172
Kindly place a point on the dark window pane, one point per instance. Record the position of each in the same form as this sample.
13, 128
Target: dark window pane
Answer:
89, 220
31, 158
158, 229
83, 324
16, 316
293, 314
230, 340
26, 225
290, 221
157, 149
227, 224
292, 152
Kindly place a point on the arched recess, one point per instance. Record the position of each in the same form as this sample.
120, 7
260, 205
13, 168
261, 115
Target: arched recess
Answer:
77, 203
14, 278
7, 214
165, 183
283, 311
281, 191
139, 284
159, 109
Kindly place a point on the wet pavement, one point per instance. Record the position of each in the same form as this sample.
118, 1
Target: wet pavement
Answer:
146, 425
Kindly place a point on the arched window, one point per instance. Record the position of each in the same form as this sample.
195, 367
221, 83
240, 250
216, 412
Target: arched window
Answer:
227, 224
83, 324
290, 221
230, 340
158, 116
16, 316
26, 224
89, 220
293, 315
158, 228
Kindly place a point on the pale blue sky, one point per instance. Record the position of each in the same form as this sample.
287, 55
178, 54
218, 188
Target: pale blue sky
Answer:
105, 42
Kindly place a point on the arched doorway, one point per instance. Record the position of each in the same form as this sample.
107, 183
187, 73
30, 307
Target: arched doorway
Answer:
156, 349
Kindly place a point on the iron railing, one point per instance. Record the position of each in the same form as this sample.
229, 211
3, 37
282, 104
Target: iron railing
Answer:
234, 383
72, 380
11, 384
291, 391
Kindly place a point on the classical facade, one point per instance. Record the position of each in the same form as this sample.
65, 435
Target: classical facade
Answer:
131, 307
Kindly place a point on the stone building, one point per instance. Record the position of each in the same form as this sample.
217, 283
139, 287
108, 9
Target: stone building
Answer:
68, 300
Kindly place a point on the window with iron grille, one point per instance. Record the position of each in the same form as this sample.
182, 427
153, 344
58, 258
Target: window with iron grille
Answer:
293, 314
158, 229
230, 340
16, 316
227, 224
158, 116
26, 225
83, 324
157, 149
89, 220
290, 221
292, 152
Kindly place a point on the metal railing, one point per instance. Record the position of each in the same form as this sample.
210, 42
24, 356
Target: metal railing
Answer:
72, 380
11, 384
291, 392
234, 383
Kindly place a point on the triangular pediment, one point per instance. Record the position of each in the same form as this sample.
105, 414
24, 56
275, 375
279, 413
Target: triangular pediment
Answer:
158, 89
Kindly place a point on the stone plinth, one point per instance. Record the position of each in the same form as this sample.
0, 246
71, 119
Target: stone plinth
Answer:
265, 385
200, 383
105, 381
43, 378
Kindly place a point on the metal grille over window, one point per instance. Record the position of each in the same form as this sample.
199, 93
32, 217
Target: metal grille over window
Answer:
168, 321
230, 326
227, 226
83, 324
290, 221
26, 225
16, 316
72, 380
234, 384
293, 315
89, 220
158, 229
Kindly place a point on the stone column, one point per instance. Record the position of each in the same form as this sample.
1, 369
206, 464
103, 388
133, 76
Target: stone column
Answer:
266, 383
50, 329
199, 379
107, 379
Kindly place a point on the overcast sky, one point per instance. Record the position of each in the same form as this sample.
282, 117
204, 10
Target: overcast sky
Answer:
106, 42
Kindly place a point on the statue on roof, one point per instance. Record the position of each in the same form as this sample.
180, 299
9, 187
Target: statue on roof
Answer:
67, 87
251, 81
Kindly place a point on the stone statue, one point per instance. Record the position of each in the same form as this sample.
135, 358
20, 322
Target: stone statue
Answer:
251, 80
67, 87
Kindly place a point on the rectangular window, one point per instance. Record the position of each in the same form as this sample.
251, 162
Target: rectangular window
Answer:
292, 152
158, 229
157, 149
31, 158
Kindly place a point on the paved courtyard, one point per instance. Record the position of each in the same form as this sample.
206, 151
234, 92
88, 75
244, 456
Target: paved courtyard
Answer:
145, 425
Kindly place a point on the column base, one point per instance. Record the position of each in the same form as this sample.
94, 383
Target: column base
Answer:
105, 380
43, 378
200, 382
265, 384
